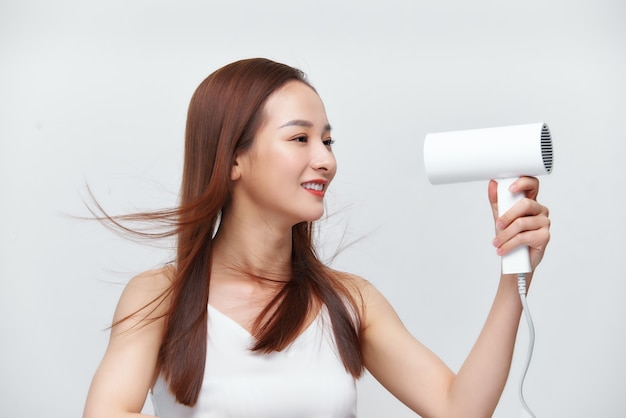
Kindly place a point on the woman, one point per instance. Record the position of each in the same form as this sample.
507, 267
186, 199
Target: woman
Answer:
248, 322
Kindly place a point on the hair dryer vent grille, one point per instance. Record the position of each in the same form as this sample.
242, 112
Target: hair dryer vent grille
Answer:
546, 148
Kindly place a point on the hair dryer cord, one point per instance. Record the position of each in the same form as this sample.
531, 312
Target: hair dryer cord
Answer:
521, 286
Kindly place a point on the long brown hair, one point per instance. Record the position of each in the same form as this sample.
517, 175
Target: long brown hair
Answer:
225, 112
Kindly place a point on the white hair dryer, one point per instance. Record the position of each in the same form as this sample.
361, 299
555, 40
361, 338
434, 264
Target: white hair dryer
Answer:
503, 154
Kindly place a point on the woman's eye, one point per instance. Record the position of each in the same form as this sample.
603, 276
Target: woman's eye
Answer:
328, 142
301, 139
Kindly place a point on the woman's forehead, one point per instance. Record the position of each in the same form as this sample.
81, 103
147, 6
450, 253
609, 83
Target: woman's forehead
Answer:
295, 104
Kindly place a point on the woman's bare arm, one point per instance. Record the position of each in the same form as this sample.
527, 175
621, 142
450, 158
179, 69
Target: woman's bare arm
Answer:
129, 367
419, 378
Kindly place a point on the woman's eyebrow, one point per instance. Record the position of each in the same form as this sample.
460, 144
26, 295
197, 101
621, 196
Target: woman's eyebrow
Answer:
303, 123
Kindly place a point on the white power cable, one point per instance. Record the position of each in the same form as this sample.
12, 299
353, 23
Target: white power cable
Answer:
521, 286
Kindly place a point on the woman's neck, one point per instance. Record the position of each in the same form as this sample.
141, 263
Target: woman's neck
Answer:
256, 248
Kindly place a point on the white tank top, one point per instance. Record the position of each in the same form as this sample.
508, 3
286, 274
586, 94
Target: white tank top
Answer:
307, 379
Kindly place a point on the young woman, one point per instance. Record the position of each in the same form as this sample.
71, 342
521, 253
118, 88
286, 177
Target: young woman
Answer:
248, 322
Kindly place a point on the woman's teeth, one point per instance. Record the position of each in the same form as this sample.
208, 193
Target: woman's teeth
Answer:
313, 186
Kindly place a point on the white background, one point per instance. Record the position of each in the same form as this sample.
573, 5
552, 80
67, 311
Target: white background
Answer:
96, 93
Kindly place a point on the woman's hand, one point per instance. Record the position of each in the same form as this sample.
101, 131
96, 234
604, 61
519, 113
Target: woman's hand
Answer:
526, 223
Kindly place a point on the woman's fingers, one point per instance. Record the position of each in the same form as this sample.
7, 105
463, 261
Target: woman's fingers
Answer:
528, 185
526, 223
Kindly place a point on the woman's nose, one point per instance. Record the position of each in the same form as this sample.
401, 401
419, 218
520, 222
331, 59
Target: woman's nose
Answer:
323, 158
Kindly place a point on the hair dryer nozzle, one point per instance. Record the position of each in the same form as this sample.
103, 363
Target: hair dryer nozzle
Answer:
490, 153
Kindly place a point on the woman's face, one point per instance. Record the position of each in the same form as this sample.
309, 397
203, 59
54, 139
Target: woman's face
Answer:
284, 175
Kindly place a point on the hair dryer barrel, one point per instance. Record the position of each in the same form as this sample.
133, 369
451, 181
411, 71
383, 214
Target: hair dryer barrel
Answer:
490, 153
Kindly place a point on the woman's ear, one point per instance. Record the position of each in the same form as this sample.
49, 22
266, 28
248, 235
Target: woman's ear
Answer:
235, 171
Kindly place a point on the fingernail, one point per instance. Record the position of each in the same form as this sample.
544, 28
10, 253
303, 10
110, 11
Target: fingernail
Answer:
496, 242
499, 224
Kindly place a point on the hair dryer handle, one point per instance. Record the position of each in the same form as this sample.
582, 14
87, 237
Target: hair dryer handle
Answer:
517, 260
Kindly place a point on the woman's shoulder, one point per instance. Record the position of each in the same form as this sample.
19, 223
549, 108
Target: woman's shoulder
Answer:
353, 281
371, 303
146, 296
157, 279
363, 292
